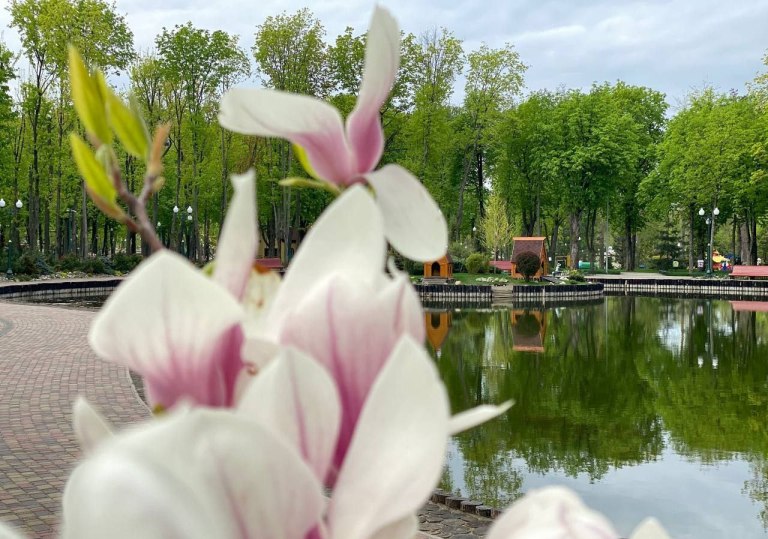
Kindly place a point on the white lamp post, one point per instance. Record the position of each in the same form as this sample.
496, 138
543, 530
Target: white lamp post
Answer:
711, 223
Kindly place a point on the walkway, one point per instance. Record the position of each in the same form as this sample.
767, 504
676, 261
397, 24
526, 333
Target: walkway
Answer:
45, 363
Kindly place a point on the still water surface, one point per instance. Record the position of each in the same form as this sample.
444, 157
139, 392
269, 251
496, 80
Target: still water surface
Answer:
644, 406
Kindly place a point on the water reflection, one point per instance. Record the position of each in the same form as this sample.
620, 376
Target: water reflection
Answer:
630, 398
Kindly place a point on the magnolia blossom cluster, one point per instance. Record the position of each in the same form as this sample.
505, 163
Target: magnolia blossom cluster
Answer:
301, 408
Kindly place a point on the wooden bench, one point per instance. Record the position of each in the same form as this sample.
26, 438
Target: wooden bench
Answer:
750, 271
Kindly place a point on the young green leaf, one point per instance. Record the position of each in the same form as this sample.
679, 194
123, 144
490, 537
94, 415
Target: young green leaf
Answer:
97, 183
88, 98
128, 126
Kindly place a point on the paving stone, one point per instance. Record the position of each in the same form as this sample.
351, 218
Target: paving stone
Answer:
45, 363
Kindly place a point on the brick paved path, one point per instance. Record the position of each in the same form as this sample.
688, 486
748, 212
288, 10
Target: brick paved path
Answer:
45, 362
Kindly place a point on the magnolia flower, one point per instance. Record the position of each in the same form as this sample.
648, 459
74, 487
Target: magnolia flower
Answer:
345, 155
179, 328
254, 473
557, 512
339, 306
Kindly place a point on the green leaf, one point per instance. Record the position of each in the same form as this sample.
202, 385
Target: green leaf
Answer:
128, 126
88, 98
98, 185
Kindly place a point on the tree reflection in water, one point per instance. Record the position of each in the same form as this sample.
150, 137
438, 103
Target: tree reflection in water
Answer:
613, 384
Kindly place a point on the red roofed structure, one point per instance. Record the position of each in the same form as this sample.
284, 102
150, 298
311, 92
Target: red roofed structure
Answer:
530, 244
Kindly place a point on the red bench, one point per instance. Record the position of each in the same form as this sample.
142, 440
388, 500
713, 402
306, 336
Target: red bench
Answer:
502, 265
750, 271
274, 264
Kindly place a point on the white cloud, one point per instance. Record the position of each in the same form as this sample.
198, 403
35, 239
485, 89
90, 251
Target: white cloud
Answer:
670, 45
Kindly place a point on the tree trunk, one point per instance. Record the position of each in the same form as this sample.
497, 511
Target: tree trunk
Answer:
462, 187
691, 214
744, 244
553, 243
84, 223
575, 222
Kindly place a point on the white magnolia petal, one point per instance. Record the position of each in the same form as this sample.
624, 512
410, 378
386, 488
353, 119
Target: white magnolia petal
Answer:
649, 529
413, 222
382, 60
356, 316
170, 323
239, 241
405, 528
89, 425
7, 532
551, 512
347, 240
311, 123
193, 475
476, 416
396, 455
295, 399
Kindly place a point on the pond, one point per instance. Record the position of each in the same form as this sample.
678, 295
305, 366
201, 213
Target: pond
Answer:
644, 406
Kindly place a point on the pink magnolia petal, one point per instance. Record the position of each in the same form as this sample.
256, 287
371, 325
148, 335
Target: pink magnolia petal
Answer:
649, 529
175, 327
476, 416
312, 124
200, 474
361, 326
295, 399
382, 59
348, 239
551, 512
413, 222
239, 242
89, 425
396, 455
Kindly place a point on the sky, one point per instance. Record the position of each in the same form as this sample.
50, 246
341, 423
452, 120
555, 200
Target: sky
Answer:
674, 46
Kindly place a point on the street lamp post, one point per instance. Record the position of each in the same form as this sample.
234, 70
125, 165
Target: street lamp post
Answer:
175, 215
191, 232
711, 223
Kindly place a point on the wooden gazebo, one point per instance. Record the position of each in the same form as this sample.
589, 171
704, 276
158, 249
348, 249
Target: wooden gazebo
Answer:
530, 244
439, 268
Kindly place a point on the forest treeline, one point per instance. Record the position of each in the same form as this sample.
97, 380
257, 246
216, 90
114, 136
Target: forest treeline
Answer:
587, 169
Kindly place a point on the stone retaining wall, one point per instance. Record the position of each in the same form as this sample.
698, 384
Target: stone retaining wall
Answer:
543, 294
58, 289
694, 288
476, 295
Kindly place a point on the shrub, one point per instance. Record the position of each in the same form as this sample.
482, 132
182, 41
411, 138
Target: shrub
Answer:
124, 262
96, 265
31, 263
527, 264
459, 253
576, 276
477, 263
68, 263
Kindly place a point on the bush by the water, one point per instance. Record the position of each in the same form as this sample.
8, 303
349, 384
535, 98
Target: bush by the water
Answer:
31, 263
459, 253
124, 262
527, 264
477, 263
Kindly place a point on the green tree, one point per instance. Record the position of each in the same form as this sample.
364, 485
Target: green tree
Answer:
495, 77
291, 56
495, 229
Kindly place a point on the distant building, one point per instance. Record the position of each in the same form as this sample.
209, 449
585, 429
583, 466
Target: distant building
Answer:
530, 244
